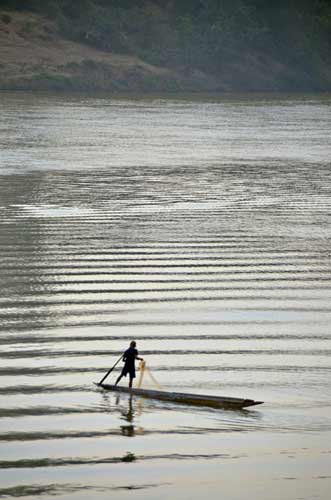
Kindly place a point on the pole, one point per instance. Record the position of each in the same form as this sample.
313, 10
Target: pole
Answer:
109, 371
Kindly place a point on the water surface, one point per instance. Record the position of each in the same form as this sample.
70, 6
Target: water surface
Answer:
199, 226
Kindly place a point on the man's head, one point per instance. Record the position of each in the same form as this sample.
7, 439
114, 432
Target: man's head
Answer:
133, 343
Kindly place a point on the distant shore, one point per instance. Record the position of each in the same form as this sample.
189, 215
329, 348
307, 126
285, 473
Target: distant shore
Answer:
34, 55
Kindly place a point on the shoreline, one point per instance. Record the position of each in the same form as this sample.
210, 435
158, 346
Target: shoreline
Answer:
36, 56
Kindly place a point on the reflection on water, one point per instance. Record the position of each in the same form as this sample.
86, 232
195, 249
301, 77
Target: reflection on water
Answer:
200, 227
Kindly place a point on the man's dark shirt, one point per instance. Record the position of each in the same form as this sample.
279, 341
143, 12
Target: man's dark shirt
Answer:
129, 358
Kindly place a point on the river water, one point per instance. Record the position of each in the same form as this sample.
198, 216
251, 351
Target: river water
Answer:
200, 227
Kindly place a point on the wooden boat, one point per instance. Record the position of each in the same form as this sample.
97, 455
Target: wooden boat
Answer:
179, 397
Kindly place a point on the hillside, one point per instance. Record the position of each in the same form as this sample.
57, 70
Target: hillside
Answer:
34, 56
154, 46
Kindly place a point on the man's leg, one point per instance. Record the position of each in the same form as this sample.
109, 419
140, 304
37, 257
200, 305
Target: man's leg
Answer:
130, 382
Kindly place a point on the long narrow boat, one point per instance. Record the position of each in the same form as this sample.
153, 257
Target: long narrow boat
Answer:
179, 397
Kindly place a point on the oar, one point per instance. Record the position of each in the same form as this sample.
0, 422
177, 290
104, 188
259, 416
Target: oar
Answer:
109, 371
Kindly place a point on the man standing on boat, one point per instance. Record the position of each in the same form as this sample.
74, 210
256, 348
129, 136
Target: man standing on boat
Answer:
129, 358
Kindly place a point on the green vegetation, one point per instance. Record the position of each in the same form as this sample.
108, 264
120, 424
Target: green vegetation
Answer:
212, 36
5, 18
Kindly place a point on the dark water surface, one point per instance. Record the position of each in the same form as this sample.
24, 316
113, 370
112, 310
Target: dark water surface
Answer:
201, 227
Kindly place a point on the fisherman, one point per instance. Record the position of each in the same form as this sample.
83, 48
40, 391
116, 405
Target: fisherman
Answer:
129, 358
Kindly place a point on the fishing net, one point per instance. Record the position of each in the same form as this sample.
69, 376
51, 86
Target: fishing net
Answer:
142, 370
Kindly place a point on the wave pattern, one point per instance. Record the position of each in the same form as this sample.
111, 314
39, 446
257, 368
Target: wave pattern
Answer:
219, 269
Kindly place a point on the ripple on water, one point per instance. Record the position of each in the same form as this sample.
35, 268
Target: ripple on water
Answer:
208, 242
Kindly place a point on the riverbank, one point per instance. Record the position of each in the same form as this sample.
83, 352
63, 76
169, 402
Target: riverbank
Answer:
35, 55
